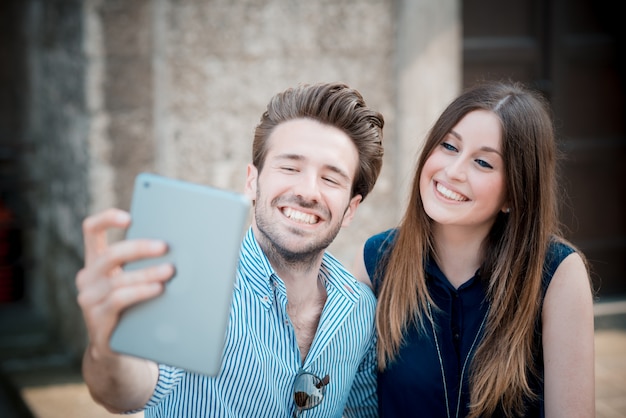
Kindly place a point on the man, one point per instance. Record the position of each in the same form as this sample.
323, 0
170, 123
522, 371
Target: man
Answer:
301, 332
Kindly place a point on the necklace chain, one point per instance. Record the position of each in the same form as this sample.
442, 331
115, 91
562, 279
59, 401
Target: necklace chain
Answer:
443, 375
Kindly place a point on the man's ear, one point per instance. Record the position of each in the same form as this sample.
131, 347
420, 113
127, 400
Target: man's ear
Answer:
351, 210
251, 182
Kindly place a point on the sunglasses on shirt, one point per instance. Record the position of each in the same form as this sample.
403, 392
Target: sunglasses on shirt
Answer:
308, 391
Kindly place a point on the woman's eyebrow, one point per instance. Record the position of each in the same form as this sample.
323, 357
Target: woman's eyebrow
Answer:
456, 134
486, 149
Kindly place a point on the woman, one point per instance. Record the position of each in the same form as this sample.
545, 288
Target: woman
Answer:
483, 308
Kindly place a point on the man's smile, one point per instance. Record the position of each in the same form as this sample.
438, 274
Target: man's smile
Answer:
301, 217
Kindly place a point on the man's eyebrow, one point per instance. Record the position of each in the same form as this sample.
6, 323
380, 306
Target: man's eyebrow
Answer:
298, 157
486, 149
339, 172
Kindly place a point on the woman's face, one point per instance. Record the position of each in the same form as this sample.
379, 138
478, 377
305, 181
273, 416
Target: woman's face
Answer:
463, 182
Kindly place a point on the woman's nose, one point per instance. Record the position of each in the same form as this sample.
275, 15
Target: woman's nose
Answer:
457, 169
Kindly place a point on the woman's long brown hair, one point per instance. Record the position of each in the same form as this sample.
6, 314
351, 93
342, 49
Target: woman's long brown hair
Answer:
515, 247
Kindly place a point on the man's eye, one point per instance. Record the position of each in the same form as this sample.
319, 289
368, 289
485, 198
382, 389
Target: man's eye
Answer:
330, 180
290, 169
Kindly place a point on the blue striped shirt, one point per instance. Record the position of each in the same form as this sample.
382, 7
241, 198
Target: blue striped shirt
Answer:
261, 357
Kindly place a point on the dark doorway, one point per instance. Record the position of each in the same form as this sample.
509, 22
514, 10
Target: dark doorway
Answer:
573, 51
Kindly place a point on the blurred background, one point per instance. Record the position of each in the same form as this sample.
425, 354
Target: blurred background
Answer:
92, 92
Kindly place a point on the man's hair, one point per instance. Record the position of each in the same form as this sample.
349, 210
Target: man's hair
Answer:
333, 104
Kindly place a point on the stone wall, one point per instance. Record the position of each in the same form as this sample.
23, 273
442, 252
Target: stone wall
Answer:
55, 160
176, 87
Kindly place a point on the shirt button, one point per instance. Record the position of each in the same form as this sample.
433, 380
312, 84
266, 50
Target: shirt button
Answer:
266, 298
456, 336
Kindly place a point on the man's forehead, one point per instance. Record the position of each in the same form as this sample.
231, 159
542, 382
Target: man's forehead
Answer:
301, 132
303, 140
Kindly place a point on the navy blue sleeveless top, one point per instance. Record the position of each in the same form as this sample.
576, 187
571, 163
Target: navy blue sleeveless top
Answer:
413, 384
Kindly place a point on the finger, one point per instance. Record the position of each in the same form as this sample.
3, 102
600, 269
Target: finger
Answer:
158, 274
117, 255
102, 318
95, 229
139, 284
95, 280
126, 296
93, 292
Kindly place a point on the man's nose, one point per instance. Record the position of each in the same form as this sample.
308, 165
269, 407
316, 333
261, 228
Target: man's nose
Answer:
308, 187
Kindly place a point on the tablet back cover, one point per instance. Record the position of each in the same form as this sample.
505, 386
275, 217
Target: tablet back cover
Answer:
203, 226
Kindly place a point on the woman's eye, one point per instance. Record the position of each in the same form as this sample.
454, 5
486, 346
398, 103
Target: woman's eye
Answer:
448, 146
483, 163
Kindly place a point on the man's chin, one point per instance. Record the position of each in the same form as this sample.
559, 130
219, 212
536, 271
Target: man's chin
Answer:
302, 231
297, 242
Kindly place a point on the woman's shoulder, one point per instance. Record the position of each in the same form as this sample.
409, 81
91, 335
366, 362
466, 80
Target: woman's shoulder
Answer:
558, 250
382, 239
378, 244
374, 251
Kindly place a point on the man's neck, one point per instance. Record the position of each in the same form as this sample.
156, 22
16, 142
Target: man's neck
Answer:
306, 294
305, 303
297, 268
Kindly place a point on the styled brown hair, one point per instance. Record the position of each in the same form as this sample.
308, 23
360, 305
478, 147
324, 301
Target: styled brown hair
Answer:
515, 249
333, 104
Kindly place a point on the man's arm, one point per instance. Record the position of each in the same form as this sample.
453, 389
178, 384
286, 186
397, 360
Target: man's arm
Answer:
363, 399
120, 383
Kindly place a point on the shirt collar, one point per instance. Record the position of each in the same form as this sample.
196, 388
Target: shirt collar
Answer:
260, 275
254, 267
436, 275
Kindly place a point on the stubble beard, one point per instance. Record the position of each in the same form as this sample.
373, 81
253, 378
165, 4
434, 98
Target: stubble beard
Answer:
276, 246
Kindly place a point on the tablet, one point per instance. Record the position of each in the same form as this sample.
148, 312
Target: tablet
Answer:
185, 326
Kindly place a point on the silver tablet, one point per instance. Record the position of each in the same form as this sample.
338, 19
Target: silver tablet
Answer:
203, 226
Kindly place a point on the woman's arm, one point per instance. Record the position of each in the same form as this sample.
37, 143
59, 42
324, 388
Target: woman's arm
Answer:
568, 342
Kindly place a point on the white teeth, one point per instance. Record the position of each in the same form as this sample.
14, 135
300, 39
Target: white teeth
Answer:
450, 194
299, 216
